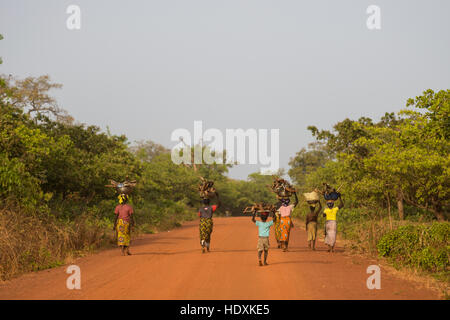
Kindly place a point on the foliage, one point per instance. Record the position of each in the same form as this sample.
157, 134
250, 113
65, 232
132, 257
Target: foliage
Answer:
403, 157
420, 246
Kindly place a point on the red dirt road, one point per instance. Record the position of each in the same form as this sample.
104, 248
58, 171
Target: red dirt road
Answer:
170, 265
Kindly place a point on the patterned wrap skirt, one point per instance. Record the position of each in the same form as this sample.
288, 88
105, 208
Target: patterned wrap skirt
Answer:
123, 233
331, 230
277, 228
206, 227
285, 228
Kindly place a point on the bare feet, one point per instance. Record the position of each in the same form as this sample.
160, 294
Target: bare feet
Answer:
265, 263
260, 264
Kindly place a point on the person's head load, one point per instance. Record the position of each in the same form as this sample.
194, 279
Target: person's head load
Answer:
206, 188
261, 209
282, 188
330, 193
125, 187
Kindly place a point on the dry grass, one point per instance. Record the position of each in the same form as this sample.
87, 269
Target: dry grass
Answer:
30, 242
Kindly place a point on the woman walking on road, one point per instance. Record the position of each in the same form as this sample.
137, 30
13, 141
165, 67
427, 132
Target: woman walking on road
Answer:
286, 222
206, 223
330, 223
311, 223
124, 220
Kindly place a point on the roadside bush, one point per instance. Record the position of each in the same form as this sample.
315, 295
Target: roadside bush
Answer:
424, 247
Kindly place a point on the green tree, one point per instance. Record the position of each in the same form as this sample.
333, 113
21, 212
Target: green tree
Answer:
414, 154
307, 161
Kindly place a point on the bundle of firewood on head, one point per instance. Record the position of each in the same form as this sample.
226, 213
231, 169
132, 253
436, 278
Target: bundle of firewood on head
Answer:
206, 188
261, 209
330, 193
282, 188
124, 189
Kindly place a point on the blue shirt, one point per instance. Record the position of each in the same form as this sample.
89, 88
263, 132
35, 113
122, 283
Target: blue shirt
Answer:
264, 228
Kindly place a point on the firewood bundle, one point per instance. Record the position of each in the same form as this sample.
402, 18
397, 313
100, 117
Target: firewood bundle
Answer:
125, 187
260, 208
206, 188
330, 193
282, 188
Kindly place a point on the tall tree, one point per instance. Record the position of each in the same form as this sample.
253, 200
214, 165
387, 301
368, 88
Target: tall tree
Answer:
32, 95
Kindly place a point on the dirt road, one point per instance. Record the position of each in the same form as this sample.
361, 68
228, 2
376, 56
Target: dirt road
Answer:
170, 265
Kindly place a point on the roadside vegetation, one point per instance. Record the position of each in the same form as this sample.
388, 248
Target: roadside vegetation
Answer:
394, 178
53, 201
394, 175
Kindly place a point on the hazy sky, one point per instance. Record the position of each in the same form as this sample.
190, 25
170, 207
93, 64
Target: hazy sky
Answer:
145, 68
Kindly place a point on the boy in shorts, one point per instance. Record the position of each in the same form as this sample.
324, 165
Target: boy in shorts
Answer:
263, 233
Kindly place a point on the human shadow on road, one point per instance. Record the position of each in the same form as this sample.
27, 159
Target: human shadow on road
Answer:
194, 250
300, 262
165, 253
234, 250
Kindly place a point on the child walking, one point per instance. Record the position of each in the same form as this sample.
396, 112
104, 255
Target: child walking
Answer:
263, 233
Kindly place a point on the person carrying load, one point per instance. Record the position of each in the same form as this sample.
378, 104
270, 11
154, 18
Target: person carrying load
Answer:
284, 190
124, 219
315, 206
330, 213
206, 212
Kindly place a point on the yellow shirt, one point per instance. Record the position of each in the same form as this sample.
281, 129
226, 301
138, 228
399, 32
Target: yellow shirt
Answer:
331, 213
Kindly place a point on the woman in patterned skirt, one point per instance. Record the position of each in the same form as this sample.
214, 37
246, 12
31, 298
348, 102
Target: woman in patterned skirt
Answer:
124, 220
206, 223
286, 222
276, 224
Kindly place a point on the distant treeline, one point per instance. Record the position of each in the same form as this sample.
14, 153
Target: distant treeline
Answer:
53, 172
48, 159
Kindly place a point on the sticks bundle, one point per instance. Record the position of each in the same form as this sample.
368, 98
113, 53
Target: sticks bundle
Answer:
330, 193
260, 208
125, 187
206, 188
282, 188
